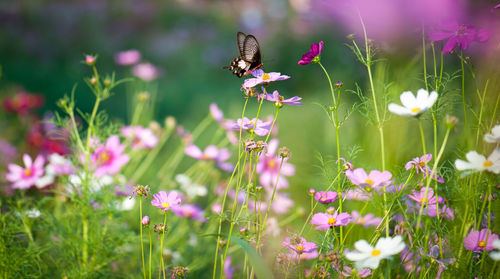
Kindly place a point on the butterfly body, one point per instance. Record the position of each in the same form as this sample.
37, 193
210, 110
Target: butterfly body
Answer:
249, 59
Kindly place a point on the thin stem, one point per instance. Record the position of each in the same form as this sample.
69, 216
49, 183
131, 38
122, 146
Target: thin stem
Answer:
150, 250
162, 266
424, 58
422, 135
466, 125
142, 244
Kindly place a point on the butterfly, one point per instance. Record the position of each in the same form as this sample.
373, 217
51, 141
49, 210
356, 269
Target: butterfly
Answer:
249, 59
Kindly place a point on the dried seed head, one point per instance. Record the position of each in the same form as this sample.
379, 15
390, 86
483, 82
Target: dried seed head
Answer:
284, 152
160, 228
179, 272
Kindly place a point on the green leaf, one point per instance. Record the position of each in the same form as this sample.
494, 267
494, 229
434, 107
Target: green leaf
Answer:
257, 262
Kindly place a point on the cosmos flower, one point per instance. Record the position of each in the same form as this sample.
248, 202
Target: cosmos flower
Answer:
367, 221
190, 211
325, 221
476, 240
414, 106
211, 153
128, 57
477, 162
299, 245
458, 35
494, 137
348, 272
259, 127
166, 201
496, 245
373, 181
326, 197
140, 137
419, 163
109, 159
216, 113
281, 204
423, 198
357, 194
280, 100
146, 71
368, 256
145, 220
24, 178
313, 55
268, 168
22, 103
189, 187
263, 78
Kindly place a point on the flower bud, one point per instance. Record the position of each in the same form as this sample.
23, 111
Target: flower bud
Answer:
145, 220
312, 191
338, 84
330, 210
180, 272
107, 82
451, 121
284, 152
170, 122
243, 231
93, 81
90, 60
350, 37
278, 104
141, 190
258, 188
143, 96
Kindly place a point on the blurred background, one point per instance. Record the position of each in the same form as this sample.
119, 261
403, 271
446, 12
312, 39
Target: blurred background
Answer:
184, 44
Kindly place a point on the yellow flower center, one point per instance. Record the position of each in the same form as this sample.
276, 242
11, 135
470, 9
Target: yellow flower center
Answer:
481, 244
266, 76
487, 164
415, 109
271, 164
421, 163
165, 204
362, 221
368, 189
375, 252
206, 157
369, 181
27, 172
424, 200
104, 157
299, 248
331, 221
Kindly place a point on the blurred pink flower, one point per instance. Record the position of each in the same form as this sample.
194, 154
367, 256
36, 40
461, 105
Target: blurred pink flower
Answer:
109, 159
373, 181
24, 178
190, 211
259, 127
326, 197
268, 168
140, 137
357, 194
211, 153
146, 71
128, 57
458, 35
22, 103
348, 272
300, 245
367, 220
166, 201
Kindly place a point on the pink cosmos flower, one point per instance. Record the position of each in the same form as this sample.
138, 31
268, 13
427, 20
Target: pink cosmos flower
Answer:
166, 201
281, 204
326, 197
146, 71
357, 194
348, 272
280, 100
259, 127
325, 221
460, 35
140, 137
374, 181
24, 178
128, 57
476, 240
211, 153
216, 113
420, 165
109, 159
367, 221
268, 168
313, 55
425, 199
262, 78
299, 245
303, 256
190, 211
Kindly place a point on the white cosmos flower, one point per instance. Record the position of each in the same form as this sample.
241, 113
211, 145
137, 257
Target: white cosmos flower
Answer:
496, 254
413, 106
191, 189
368, 256
477, 162
494, 136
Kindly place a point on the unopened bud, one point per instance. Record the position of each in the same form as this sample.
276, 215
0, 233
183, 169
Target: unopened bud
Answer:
145, 221
451, 121
243, 231
107, 82
338, 84
143, 96
90, 60
93, 81
278, 104
312, 191
170, 122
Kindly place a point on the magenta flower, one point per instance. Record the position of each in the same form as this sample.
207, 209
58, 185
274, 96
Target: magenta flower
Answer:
374, 181
348, 272
367, 221
259, 127
479, 241
299, 245
128, 57
268, 168
326, 197
166, 201
357, 194
109, 159
140, 137
211, 153
24, 178
280, 100
146, 71
190, 211
325, 221
313, 55
461, 35
263, 78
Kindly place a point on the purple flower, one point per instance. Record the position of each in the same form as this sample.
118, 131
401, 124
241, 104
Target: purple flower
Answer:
476, 240
348, 272
325, 221
128, 57
313, 55
166, 201
374, 181
268, 168
211, 153
24, 178
7, 152
228, 270
109, 159
299, 245
190, 211
263, 78
259, 127
145, 220
358, 195
280, 100
461, 35
326, 197
141, 138
425, 199
419, 163
146, 71
367, 221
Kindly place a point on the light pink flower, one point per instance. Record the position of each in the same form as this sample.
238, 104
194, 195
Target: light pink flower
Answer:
357, 194
128, 57
109, 159
262, 78
268, 168
24, 178
211, 153
140, 137
476, 240
325, 221
190, 211
146, 71
166, 201
367, 220
373, 181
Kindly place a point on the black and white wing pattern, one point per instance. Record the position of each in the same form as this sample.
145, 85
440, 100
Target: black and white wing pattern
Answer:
249, 59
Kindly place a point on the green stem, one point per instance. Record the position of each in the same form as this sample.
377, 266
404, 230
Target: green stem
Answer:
142, 244
150, 250
466, 125
162, 265
422, 135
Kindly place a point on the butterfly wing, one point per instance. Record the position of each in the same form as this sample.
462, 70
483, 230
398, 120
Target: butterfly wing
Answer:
240, 38
251, 50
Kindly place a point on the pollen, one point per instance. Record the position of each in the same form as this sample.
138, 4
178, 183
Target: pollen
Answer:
299, 248
206, 157
369, 181
104, 157
362, 221
487, 164
376, 252
421, 164
27, 172
415, 109
481, 244
424, 200
271, 164
331, 221
165, 204
266, 76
